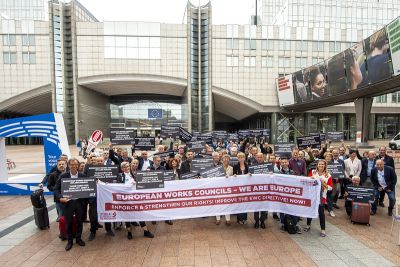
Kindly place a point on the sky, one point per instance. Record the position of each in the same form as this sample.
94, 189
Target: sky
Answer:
168, 11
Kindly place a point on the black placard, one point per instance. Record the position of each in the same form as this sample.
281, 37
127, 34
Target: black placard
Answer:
201, 164
207, 138
322, 137
149, 179
336, 170
184, 135
169, 176
244, 133
313, 141
283, 150
196, 146
119, 136
213, 172
233, 137
169, 132
106, 174
261, 168
360, 194
233, 161
219, 135
335, 136
190, 175
74, 188
145, 143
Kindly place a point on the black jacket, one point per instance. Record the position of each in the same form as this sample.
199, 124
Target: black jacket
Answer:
57, 187
388, 160
53, 178
390, 177
237, 171
364, 169
185, 167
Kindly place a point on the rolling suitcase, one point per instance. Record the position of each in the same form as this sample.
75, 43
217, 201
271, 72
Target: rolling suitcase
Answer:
41, 217
37, 199
62, 225
360, 213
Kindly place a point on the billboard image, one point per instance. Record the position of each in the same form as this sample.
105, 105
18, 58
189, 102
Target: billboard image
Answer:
299, 88
315, 81
378, 65
337, 83
353, 59
393, 32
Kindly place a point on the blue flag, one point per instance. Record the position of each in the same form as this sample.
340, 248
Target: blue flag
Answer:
155, 113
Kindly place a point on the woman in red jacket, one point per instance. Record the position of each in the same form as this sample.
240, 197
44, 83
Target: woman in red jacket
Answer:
322, 174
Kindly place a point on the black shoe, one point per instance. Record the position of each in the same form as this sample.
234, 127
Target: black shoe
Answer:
169, 222
68, 246
148, 234
341, 197
262, 225
381, 204
110, 233
135, 224
275, 216
92, 236
257, 225
99, 226
390, 212
80, 242
335, 206
130, 235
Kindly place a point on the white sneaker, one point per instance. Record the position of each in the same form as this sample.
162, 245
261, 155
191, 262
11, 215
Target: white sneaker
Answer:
332, 214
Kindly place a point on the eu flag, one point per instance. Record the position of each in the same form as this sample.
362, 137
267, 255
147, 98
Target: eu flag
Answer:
154, 113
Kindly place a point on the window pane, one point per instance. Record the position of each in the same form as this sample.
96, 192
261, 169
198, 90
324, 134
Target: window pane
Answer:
13, 58
25, 58
6, 58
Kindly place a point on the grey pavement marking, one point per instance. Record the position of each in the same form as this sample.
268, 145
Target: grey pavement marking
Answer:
337, 248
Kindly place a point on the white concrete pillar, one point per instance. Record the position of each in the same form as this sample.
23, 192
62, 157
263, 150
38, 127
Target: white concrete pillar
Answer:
3, 161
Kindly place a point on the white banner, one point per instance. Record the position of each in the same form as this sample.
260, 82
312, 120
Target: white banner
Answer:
209, 197
284, 87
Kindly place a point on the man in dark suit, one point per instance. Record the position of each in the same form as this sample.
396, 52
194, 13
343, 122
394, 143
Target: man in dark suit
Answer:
157, 164
144, 162
186, 166
388, 160
54, 176
367, 164
71, 205
384, 179
336, 182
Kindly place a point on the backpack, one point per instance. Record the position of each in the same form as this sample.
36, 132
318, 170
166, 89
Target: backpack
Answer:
289, 224
37, 199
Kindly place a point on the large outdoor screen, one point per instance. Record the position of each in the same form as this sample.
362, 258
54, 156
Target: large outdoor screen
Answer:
337, 83
365, 63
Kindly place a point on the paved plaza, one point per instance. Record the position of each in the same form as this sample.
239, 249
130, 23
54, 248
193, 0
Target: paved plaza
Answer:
194, 242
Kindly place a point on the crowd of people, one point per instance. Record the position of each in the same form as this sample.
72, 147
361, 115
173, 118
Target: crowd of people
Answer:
371, 169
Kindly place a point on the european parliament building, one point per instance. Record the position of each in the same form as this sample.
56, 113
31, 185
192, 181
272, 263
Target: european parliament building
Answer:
57, 57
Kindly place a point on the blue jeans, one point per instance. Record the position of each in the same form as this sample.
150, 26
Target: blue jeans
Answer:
391, 196
60, 209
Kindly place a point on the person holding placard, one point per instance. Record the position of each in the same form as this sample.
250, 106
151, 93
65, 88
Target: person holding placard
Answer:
228, 172
72, 206
260, 216
321, 173
241, 168
127, 177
